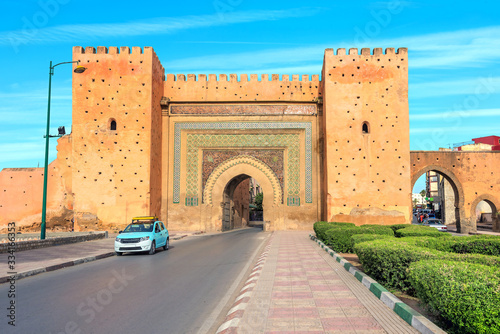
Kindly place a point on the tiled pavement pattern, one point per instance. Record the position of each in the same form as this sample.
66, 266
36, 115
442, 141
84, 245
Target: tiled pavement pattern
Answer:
304, 290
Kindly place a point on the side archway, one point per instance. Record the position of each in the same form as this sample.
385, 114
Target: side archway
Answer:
494, 204
455, 184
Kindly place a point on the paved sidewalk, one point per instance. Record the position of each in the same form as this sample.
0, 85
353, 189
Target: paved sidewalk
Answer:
301, 288
32, 262
37, 261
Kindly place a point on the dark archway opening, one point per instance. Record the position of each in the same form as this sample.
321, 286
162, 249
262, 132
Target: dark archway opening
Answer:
112, 125
256, 203
236, 203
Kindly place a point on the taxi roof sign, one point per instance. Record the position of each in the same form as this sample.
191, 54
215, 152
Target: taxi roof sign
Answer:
145, 218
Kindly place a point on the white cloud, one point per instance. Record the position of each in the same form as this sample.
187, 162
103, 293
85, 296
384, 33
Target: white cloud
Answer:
164, 25
447, 129
456, 49
249, 60
475, 86
33, 95
21, 151
456, 114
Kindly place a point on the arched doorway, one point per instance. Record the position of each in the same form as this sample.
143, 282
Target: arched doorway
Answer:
222, 184
448, 192
484, 213
236, 201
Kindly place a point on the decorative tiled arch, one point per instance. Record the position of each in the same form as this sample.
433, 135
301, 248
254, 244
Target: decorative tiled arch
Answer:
242, 159
288, 141
181, 126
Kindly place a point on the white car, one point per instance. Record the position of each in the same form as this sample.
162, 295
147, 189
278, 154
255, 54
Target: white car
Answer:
145, 234
436, 223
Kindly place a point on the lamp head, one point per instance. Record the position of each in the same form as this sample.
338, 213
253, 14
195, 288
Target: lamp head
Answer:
79, 69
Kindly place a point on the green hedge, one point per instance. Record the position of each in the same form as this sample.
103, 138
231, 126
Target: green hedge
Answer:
382, 228
321, 227
358, 238
466, 295
399, 226
419, 231
387, 260
339, 239
489, 245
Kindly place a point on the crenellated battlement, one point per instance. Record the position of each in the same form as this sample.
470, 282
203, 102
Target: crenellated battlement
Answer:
245, 87
112, 50
366, 51
242, 78
93, 55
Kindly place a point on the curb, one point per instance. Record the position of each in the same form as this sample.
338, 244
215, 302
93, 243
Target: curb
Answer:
412, 317
235, 314
18, 276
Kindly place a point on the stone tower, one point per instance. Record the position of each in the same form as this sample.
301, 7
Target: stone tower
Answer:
116, 154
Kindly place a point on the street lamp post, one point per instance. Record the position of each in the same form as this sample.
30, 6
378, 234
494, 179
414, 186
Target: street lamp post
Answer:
78, 69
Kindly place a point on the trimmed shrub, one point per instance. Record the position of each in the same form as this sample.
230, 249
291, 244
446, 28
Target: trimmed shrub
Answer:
339, 239
343, 224
399, 226
382, 228
321, 227
358, 238
387, 260
489, 245
419, 231
466, 295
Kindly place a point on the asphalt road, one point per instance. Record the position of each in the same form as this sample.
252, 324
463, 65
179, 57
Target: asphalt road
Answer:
174, 291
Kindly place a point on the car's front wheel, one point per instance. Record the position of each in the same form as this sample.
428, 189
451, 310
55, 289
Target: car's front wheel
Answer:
119, 253
166, 245
152, 250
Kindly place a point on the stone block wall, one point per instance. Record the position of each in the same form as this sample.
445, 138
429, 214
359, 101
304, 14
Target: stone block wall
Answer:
366, 136
35, 244
117, 136
21, 193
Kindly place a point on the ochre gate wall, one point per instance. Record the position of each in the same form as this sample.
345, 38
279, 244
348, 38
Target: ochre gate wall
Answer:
21, 192
116, 173
366, 174
219, 128
474, 176
176, 146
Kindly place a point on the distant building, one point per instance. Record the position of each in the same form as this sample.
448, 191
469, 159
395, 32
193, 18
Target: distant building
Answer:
418, 199
255, 189
489, 143
435, 189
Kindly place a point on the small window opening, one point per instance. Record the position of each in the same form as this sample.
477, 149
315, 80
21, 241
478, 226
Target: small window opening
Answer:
112, 125
366, 128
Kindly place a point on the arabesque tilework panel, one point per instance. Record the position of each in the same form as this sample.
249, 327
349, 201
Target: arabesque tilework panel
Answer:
290, 141
242, 141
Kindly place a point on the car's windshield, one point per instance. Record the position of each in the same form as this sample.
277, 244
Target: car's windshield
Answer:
139, 227
434, 222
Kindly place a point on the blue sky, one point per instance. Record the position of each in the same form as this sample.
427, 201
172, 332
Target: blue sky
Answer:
454, 54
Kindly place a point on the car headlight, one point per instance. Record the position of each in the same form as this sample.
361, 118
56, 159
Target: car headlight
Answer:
144, 239
118, 239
